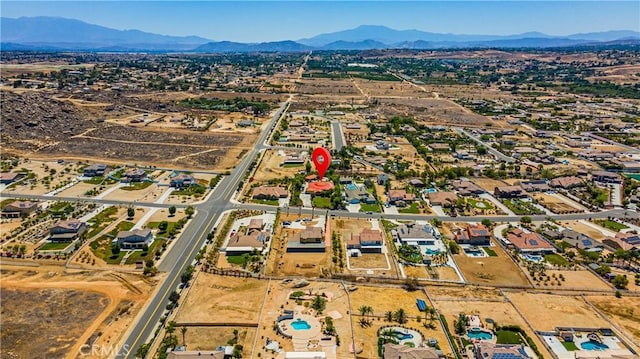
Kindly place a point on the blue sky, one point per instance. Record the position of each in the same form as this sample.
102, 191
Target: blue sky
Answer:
252, 21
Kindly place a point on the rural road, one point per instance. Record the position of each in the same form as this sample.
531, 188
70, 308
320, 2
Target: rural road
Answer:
497, 154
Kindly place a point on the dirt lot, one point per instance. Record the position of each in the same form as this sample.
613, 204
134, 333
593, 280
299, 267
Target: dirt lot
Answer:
444, 273
218, 299
554, 204
45, 300
625, 312
209, 338
389, 299
585, 229
499, 270
270, 167
577, 279
488, 184
547, 311
501, 312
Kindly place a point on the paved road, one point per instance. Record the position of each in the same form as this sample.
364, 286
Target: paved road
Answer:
189, 243
42, 197
338, 137
499, 155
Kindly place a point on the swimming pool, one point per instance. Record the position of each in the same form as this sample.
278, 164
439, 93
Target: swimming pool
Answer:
431, 252
477, 333
300, 324
533, 257
403, 336
351, 186
591, 345
431, 190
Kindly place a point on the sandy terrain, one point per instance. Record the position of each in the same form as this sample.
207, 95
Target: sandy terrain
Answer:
117, 297
576, 279
585, 229
209, 338
625, 312
444, 273
218, 299
499, 270
79, 189
547, 311
488, 184
270, 168
555, 204
163, 215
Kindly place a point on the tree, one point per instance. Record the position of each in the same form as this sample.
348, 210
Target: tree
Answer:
162, 226
400, 316
143, 350
187, 275
189, 211
460, 324
454, 248
388, 316
487, 222
183, 330
318, 304
525, 220
171, 327
174, 296
115, 249
620, 281
172, 211
131, 212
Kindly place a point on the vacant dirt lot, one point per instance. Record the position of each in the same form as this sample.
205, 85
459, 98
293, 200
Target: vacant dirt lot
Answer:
555, 204
389, 299
271, 167
209, 338
66, 310
218, 299
625, 312
577, 279
547, 311
488, 184
499, 270
585, 229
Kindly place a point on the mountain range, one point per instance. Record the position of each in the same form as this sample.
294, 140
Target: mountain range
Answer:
54, 33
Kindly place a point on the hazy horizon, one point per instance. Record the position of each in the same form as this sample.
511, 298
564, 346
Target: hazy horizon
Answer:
250, 21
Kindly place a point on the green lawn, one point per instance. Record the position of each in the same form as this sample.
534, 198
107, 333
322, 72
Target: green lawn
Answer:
322, 202
194, 190
54, 246
238, 260
140, 255
94, 180
474, 202
490, 252
270, 202
508, 337
521, 207
612, 225
101, 247
413, 208
570, 346
135, 186
365, 207
556, 259
290, 165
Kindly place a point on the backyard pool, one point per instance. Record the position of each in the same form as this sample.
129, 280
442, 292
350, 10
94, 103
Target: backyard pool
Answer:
591, 345
474, 252
477, 333
300, 324
351, 187
532, 257
430, 190
403, 336
431, 252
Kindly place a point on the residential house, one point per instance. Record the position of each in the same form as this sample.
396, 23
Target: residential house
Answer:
319, 188
255, 224
407, 128
245, 123
444, 199
269, 192
182, 180
414, 235
439, 147
530, 243
415, 182
18, 209
346, 180
510, 192
626, 241
95, 170
183, 353
9, 177
134, 239
400, 197
382, 178
474, 234
134, 175
567, 182
382, 145
311, 239
401, 351
368, 241
606, 177
467, 188
67, 231
254, 240
535, 186
294, 160
487, 350
357, 195
580, 241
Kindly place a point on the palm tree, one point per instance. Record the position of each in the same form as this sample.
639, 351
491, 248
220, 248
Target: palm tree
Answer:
400, 316
388, 316
183, 330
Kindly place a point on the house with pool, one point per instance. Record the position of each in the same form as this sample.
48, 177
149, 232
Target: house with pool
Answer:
587, 343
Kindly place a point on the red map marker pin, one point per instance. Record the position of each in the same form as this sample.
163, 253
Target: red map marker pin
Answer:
322, 159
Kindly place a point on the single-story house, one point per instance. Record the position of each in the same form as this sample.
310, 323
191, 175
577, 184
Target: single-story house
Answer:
532, 242
67, 231
535, 186
580, 241
319, 187
401, 351
606, 177
467, 188
9, 177
311, 239
245, 123
413, 235
182, 180
255, 224
474, 234
625, 241
293, 160
567, 182
94, 170
487, 350
135, 239
382, 178
397, 195
368, 241
269, 192
415, 182
444, 199
18, 209
246, 243
510, 192
357, 195
134, 175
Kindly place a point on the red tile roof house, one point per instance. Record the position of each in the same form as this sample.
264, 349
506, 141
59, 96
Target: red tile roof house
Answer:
397, 195
20, 209
368, 241
530, 243
67, 231
269, 192
474, 235
319, 187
